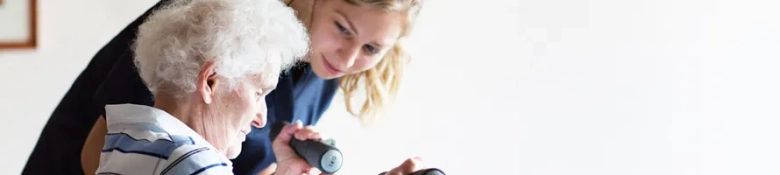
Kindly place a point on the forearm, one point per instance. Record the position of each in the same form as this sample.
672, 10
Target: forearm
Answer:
90, 152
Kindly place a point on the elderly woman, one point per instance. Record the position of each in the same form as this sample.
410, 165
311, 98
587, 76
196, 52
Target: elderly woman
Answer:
209, 64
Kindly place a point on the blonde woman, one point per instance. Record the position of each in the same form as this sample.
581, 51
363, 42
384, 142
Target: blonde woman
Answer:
351, 41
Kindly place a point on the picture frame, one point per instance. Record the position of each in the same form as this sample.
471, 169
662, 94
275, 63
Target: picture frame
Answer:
19, 21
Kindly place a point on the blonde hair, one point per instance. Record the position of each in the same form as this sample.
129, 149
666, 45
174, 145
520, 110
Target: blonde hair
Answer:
381, 83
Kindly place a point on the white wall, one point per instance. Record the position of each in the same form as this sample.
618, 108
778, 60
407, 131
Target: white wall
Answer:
513, 87
70, 33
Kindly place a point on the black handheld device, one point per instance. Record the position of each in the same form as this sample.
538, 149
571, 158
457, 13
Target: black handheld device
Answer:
429, 171
321, 154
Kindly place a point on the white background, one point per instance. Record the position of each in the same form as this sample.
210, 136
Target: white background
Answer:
602, 87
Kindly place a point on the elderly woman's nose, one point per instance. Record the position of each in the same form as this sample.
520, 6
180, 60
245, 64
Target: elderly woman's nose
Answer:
259, 120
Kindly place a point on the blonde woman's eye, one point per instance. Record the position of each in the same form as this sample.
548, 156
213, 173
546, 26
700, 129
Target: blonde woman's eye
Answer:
372, 49
342, 29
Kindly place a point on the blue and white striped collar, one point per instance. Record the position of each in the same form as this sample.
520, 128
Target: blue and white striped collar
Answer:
123, 114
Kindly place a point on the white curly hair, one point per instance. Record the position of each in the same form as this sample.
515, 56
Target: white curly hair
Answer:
240, 36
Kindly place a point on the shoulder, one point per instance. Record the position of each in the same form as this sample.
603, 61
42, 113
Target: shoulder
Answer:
150, 151
134, 149
143, 139
196, 159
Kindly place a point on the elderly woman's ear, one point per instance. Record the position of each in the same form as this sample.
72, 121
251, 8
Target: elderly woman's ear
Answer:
207, 81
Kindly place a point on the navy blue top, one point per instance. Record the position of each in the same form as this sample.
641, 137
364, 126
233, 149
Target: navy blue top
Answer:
110, 78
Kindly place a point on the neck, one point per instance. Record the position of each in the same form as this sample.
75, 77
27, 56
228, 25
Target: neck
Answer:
177, 108
190, 112
304, 10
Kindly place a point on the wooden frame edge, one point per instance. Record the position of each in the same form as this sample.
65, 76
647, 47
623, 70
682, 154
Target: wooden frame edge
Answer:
31, 42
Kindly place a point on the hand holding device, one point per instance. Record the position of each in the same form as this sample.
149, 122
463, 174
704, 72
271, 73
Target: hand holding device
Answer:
429, 171
413, 166
321, 154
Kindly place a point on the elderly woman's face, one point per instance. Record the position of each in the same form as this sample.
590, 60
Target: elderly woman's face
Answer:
233, 113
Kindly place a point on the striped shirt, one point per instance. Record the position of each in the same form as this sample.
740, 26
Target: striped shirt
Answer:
146, 140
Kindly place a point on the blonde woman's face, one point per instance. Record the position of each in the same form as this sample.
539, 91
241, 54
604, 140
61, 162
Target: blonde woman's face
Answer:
349, 38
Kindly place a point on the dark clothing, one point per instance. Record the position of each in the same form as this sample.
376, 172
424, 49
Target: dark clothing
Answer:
111, 78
